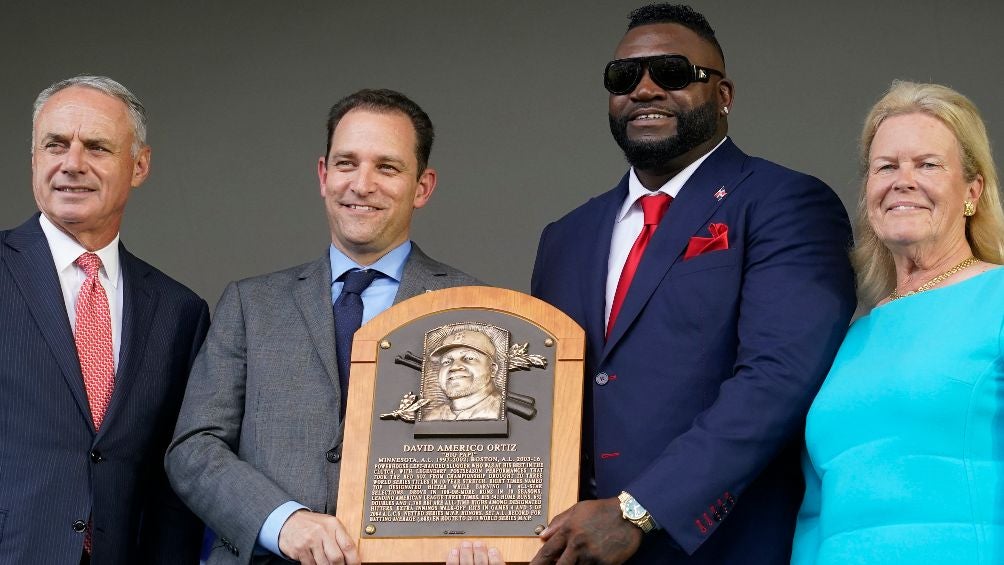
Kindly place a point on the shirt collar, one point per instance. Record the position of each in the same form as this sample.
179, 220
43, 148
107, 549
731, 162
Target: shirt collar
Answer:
391, 264
65, 251
672, 187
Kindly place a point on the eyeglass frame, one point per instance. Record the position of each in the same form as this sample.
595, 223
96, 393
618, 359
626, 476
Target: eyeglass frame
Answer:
698, 73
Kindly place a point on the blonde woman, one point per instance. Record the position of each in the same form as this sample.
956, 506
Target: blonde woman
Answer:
905, 454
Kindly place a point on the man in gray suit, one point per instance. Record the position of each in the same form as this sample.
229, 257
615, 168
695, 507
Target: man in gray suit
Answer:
257, 449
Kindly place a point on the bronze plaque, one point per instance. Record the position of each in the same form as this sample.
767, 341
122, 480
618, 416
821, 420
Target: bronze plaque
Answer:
460, 417
474, 460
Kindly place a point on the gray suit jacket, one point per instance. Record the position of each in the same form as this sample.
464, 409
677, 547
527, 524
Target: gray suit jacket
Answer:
260, 421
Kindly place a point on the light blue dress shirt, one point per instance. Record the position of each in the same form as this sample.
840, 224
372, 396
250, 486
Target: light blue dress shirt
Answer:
377, 297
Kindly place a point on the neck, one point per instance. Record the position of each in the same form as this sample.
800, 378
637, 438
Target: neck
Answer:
916, 268
364, 257
653, 179
91, 240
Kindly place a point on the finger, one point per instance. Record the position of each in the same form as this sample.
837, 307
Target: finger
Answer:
305, 557
319, 554
495, 556
555, 525
332, 552
466, 553
454, 557
480, 553
550, 551
569, 557
346, 546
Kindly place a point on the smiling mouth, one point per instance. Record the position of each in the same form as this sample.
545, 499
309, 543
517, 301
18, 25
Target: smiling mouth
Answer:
361, 207
645, 117
72, 189
903, 207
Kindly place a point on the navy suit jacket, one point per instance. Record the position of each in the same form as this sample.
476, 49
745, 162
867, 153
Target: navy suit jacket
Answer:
695, 403
54, 469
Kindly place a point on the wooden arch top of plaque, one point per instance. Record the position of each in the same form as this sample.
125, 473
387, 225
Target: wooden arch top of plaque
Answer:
426, 463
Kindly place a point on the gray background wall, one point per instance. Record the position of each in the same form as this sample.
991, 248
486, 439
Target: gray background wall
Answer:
238, 93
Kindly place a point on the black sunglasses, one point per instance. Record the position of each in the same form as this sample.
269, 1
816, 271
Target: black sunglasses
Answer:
671, 72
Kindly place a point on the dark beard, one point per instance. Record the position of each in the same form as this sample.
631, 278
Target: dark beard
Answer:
692, 129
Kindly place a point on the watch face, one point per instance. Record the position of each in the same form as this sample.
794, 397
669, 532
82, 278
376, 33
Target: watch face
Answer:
633, 510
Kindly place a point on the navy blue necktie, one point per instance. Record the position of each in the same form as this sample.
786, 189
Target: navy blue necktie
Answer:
348, 310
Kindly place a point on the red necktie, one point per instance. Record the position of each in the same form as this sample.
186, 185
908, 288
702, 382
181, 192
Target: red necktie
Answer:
654, 207
93, 335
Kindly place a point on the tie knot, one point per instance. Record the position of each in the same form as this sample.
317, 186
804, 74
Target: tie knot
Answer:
89, 262
356, 281
654, 207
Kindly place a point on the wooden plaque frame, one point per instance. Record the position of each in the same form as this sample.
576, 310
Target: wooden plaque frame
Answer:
569, 351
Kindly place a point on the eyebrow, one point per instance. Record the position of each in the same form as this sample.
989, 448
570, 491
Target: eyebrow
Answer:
50, 136
379, 159
913, 158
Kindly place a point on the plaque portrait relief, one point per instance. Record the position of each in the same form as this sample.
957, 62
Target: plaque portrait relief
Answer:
464, 373
461, 422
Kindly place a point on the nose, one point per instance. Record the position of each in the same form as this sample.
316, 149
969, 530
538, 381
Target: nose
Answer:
905, 179
74, 161
647, 89
365, 181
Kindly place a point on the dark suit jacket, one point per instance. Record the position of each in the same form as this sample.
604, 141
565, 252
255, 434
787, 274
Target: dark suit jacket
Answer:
714, 360
54, 468
260, 423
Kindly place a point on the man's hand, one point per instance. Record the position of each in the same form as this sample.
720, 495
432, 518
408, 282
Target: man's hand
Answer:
316, 539
592, 531
474, 554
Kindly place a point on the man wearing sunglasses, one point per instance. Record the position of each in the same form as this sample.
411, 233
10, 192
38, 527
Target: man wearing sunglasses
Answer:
714, 288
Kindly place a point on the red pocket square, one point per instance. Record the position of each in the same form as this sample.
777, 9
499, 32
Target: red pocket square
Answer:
699, 245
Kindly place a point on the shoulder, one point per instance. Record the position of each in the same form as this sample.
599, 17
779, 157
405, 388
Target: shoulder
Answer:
285, 277
421, 266
167, 287
595, 206
774, 194
780, 181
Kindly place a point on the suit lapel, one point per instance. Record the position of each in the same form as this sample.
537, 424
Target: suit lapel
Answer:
419, 275
312, 294
691, 209
597, 258
138, 308
30, 263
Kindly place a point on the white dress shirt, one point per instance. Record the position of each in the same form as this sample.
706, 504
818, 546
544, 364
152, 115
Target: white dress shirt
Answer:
65, 251
630, 220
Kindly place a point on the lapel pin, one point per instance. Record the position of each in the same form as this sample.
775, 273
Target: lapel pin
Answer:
721, 194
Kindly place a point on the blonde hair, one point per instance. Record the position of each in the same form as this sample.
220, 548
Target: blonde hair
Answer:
873, 263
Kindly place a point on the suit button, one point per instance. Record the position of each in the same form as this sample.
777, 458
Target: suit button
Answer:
602, 379
96, 456
333, 456
79, 525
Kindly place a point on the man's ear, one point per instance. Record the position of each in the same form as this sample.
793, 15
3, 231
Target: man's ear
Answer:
322, 173
141, 166
726, 90
426, 185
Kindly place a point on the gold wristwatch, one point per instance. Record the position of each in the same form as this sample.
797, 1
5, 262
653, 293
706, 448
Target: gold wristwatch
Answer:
635, 513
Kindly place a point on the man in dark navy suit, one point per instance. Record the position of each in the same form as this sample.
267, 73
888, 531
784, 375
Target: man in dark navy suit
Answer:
95, 349
714, 289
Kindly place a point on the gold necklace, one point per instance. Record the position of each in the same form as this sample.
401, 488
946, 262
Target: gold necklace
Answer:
894, 295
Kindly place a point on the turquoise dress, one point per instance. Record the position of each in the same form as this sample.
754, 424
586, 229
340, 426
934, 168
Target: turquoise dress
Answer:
905, 441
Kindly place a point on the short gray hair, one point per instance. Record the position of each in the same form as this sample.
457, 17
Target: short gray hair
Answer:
135, 108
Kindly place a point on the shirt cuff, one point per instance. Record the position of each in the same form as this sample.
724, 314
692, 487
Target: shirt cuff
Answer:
268, 536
